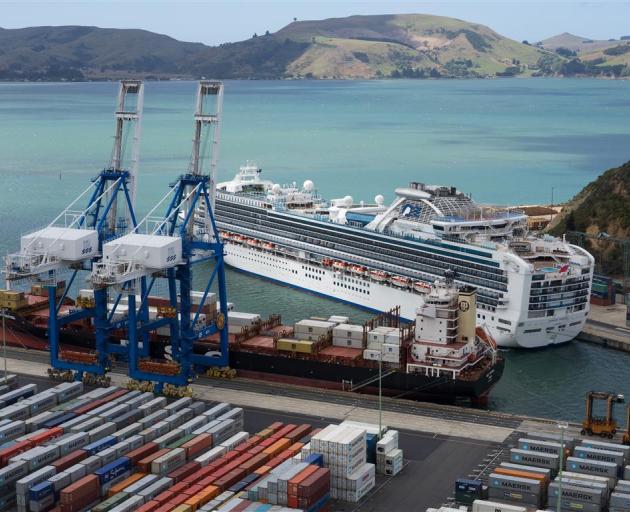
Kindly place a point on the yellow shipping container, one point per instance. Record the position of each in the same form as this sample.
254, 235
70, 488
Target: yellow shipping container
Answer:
182, 508
290, 345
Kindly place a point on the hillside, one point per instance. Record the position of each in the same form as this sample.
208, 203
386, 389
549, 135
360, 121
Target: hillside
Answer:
382, 46
603, 206
576, 44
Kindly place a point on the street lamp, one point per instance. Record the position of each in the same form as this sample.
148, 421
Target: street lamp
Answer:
563, 425
5, 315
380, 392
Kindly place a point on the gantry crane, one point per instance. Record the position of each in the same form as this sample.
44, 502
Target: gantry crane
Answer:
74, 239
168, 249
604, 426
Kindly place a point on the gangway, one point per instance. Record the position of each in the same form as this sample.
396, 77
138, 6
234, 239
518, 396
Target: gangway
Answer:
74, 239
167, 250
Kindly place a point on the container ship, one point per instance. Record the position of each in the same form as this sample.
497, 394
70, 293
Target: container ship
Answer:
441, 356
533, 290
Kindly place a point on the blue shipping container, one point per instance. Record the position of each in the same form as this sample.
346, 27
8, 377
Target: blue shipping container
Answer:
100, 445
465, 485
315, 458
320, 503
113, 470
40, 491
59, 420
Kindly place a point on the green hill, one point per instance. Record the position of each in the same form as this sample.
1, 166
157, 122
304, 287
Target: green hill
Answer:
603, 206
410, 45
576, 44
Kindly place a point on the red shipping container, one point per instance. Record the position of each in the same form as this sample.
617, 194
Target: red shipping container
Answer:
199, 475
140, 453
164, 497
80, 494
292, 485
114, 395
164, 508
144, 465
205, 482
82, 409
183, 471
43, 437
231, 455
149, 506
246, 445
197, 445
69, 460
241, 506
226, 468
316, 485
177, 500
230, 479
299, 432
12, 451
255, 462
267, 442
255, 450
284, 430
274, 427
192, 490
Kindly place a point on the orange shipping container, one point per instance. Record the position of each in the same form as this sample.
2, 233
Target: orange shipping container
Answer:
149, 506
197, 445
292, 486
542, 478
116, 488
277, 447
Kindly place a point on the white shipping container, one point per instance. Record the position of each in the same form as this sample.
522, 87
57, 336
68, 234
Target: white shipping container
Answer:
151, 251
69, 244
348, 331
211, 455
168, 462
347, 342
372, 355
128, 505
492, 506
235, 440
338, 319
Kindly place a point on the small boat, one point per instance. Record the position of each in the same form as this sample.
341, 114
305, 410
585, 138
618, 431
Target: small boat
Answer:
400, 281
268, 246
358, 270
421, 287
379, 275
239, 239
339, 265
252, 242
225, 235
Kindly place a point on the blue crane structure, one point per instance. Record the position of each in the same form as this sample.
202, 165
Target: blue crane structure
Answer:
169, 250
74, 240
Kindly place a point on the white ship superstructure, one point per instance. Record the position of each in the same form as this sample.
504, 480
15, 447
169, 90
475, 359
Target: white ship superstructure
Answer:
533, 291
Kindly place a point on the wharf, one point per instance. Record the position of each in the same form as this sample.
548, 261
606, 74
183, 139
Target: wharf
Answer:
606, 325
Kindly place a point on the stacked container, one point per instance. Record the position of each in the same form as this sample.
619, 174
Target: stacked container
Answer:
383, 342
389, 458
238, 321
348, 335
313, 330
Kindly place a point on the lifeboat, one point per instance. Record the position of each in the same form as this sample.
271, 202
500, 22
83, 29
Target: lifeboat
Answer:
268, 246
327, 262
252, 242
225, 235
379, 275
358, 270
421, 287
239, 239
339, 265
400, 281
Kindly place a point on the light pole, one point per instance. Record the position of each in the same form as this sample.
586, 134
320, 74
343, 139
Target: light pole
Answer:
562, 426
380, 392
4, 315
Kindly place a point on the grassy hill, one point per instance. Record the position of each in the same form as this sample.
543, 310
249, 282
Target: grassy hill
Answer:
576, 44
602, 206
410, 45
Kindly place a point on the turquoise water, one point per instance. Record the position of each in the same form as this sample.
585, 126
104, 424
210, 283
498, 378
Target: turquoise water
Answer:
504, 141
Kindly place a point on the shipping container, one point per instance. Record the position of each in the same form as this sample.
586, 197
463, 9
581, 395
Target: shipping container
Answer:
80, 494
544, 460
599, 454
492, 506
592, 467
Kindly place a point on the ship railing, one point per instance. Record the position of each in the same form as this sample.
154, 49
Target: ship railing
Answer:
21, 265
116, 272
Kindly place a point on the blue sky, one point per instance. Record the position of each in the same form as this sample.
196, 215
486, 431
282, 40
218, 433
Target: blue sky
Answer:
214, 22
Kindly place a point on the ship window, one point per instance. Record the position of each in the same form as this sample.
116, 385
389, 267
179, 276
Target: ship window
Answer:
527, 331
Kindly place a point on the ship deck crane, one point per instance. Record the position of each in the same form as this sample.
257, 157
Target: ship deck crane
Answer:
168, 250
74, 239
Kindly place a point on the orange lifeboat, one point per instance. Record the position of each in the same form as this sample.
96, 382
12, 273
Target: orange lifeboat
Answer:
252, 242
225, 235
339, 265
358, 270
269, 246
239, 239
379, 275
421, 287
400, 281
327, 262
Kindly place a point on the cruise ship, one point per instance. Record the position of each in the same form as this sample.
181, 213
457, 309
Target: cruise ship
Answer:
533, 290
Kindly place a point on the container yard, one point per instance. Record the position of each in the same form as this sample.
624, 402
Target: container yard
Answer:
113, 449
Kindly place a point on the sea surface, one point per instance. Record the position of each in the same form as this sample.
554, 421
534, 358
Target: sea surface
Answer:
511, 141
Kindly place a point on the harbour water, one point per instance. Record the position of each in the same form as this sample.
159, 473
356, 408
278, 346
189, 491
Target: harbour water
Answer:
504, 141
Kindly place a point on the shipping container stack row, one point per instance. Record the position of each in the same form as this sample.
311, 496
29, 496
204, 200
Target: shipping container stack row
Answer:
594, 476
114, 449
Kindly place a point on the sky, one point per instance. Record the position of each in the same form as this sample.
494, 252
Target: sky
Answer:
213, 22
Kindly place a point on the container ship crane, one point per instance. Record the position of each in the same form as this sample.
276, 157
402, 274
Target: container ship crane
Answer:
74, 239
168, 249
